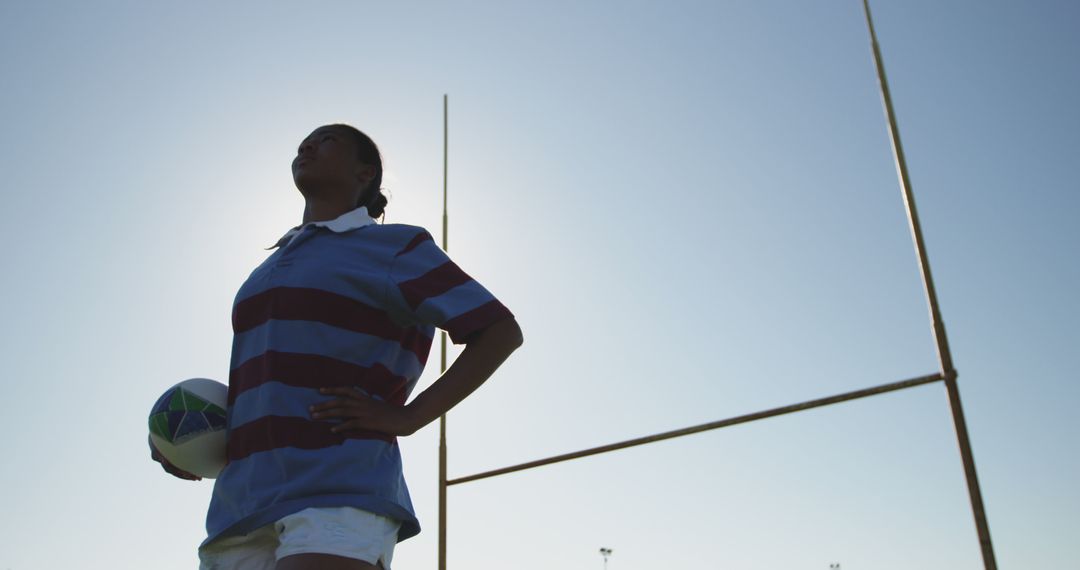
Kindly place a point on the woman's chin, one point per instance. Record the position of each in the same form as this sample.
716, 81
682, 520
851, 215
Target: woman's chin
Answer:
306, 182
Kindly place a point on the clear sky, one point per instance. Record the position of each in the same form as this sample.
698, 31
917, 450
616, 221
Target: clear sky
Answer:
691, 207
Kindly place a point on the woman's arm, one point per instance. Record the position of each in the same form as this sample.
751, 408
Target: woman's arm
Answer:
481, 357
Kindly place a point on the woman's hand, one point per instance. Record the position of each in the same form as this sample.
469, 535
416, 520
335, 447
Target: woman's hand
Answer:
483, 353
362, 412
169, 467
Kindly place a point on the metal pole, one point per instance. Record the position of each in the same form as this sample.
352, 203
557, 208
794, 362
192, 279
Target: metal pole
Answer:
442, 418
873, 391
944, 356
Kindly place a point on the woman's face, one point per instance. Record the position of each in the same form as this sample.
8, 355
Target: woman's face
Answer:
326, 161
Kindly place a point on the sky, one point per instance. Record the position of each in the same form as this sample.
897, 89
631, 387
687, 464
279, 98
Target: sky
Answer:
691, 207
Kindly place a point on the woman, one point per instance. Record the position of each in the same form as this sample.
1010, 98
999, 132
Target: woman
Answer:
332, 332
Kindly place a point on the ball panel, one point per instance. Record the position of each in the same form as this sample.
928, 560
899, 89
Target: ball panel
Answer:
159, 425
192, 424
178, 402
194, 401
206, 389
216, 419
164, 403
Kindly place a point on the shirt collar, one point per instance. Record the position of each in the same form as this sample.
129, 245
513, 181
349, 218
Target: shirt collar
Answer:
348, 221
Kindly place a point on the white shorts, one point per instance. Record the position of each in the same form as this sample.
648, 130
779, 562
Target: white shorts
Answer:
341, 531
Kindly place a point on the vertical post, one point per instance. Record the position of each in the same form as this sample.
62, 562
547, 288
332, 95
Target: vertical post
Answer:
944, 356
442, 419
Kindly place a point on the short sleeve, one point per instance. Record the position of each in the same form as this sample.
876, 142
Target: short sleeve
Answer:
427, 287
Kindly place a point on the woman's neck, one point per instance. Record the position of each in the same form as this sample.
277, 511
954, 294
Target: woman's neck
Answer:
321, 210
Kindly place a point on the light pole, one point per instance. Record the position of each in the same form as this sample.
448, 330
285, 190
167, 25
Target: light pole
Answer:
605, 552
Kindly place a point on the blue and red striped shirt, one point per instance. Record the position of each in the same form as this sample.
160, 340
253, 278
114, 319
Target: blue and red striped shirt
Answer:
352, 304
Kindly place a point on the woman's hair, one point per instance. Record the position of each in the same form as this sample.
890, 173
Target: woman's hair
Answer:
368, 153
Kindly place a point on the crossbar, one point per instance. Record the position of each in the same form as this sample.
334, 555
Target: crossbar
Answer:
873, 391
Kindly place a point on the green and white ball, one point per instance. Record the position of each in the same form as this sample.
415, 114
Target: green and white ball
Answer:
187, 425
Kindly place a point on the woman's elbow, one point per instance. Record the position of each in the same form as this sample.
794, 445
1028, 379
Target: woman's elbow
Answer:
519, 337
508, 333
504, 336
511, 333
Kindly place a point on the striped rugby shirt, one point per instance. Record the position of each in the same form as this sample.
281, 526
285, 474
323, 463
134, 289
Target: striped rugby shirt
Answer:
341, 303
